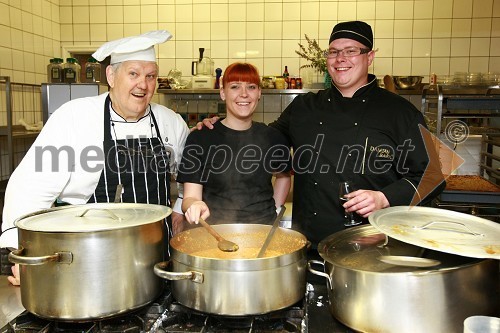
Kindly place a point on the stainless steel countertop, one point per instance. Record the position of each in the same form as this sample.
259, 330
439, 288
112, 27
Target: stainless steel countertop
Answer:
10, 301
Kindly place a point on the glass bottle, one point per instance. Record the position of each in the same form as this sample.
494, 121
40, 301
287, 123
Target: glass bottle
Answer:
92, 71
286, 76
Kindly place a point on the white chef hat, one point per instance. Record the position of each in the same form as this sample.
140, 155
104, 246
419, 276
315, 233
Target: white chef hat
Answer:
132, 48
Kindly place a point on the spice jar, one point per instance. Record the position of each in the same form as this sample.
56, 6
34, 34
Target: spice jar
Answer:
267, 82
71, 71
92, 71
280, 83
298, 83
54, 71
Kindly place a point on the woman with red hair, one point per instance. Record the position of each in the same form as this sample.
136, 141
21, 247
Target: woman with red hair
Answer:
227, 172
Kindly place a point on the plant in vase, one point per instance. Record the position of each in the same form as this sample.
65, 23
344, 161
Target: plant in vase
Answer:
316, 56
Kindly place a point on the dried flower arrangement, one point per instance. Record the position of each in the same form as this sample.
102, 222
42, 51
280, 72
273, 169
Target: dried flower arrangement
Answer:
314, 54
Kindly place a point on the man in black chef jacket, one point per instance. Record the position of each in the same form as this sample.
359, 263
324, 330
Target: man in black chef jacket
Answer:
354, 131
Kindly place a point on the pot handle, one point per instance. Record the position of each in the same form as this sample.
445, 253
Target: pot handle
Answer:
315, 272
466, 229
160, 270
16, 257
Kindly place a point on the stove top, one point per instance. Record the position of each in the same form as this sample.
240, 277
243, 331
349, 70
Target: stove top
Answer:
165, 315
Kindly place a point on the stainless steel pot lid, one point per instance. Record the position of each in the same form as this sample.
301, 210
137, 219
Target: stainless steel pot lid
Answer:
364, 248
440, 229
93, 217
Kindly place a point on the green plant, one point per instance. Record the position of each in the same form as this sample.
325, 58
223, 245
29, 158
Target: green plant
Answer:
314, 54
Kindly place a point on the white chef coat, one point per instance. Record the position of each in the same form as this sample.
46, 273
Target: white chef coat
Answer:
77, 127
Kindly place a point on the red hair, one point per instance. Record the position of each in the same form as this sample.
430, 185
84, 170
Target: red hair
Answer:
241, 72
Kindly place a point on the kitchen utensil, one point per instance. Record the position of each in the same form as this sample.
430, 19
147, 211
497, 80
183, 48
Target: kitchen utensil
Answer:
118, 193
204, 65
407, 82
275, 226
441, 230
389, 83
222, 244
76, 261
227, 283
364, 292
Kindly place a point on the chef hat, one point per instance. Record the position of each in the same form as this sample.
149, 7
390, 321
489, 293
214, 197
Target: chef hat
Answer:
132, 48
356, 30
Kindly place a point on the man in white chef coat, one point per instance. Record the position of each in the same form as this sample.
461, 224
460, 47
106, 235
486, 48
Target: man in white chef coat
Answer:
115, 147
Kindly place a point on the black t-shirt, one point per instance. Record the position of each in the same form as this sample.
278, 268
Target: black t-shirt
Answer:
235, 169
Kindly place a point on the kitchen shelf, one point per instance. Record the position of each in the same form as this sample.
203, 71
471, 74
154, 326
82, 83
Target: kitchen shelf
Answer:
441, 102
217, 91
27, 94
489, 164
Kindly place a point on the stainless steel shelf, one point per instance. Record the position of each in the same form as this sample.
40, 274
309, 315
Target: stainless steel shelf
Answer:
216, 91
467, 102
11, 131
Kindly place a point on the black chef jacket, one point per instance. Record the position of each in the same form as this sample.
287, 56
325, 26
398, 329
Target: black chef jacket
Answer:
372, 139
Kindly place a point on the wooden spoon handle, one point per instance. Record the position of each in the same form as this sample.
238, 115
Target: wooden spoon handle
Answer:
210, 229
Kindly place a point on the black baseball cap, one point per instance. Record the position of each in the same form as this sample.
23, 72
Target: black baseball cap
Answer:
356, 30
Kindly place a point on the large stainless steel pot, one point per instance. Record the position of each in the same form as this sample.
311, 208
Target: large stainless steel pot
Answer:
91, 261
237, 283
371, 291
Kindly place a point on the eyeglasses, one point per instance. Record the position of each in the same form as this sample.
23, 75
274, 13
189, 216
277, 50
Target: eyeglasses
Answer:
347, 52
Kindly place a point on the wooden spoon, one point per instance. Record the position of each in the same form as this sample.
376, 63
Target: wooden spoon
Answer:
223, 244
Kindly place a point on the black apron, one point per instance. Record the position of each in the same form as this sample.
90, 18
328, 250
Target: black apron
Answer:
138, 168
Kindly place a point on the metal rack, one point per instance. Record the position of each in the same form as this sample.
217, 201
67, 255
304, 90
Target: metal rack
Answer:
489, 165
20, 100
460, 102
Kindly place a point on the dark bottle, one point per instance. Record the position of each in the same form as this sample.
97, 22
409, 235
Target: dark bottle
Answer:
218, 74
286, 76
